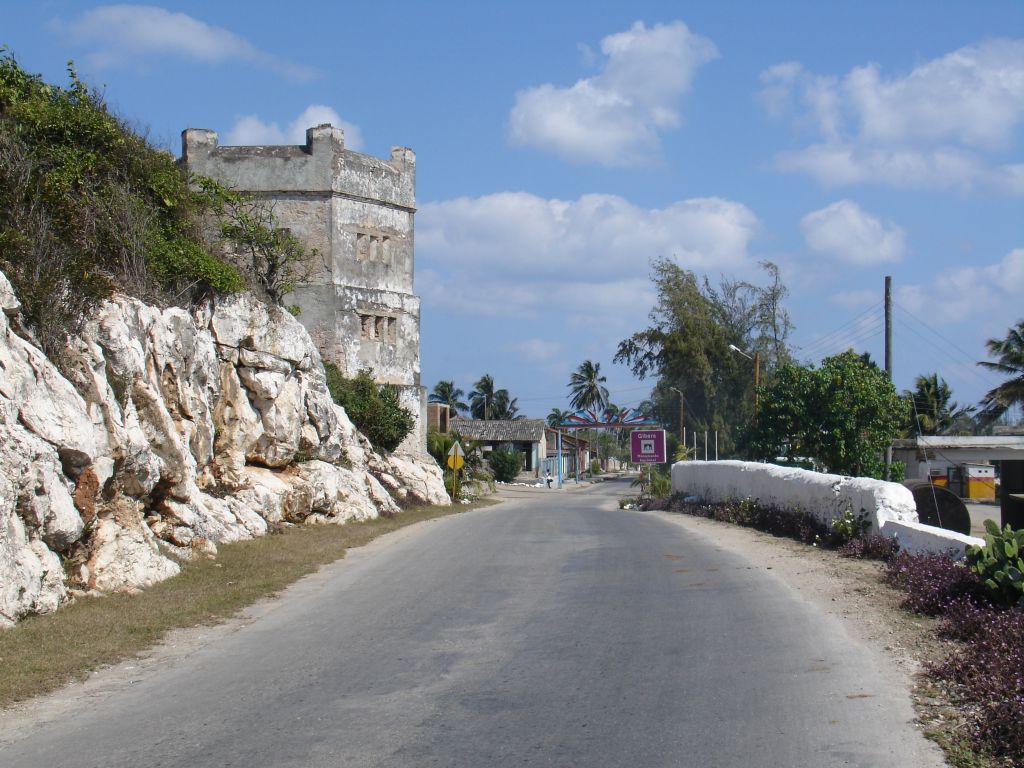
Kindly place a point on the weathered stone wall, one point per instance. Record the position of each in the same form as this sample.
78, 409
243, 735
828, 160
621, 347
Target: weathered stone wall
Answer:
177, 431
358, 212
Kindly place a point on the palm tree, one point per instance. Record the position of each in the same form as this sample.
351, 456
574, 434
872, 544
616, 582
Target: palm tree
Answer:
446, 393
505, 407
588, 391
482, 398
586, 385
1010, 352
933, 413
556, 417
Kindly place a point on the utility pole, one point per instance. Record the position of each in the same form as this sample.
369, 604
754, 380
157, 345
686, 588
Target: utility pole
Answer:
888, 326
888, 361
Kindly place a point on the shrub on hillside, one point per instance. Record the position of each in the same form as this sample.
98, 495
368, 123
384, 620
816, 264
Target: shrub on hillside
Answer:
374, 409
89, 207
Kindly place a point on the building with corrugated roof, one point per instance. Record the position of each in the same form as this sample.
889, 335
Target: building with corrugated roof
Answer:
532, 438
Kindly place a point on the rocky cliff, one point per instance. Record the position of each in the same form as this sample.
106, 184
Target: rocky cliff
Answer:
174, 431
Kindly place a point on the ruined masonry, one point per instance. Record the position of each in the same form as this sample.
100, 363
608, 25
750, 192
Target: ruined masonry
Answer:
357, 212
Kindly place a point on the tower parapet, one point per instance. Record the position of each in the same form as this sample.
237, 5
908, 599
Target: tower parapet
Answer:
358, 212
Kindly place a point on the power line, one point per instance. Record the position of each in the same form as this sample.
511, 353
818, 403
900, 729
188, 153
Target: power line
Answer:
847, 342
829, 340
840, 329
972, 369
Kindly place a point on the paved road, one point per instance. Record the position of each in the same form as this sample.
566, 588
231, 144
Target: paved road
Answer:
551, 630
979, 513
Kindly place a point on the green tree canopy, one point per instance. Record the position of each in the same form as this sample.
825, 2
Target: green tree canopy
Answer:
931, 411
506, 464
843, 414
88, 207
1010, 362
489, 403
446, 393
687, 347
587, 387
505, 407
557, 416
481, 397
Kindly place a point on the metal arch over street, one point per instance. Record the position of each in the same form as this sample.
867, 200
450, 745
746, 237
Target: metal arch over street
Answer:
590, 419
608, 419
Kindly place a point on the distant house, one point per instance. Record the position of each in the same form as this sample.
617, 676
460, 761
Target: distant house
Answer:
532, 438
968, 465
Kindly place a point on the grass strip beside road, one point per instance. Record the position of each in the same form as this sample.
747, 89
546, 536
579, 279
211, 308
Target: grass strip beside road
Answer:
43, 653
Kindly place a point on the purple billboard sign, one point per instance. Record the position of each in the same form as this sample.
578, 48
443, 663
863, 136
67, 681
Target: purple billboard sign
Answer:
647, 446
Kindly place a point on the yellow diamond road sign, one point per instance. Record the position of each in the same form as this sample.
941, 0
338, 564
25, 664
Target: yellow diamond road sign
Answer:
456, 457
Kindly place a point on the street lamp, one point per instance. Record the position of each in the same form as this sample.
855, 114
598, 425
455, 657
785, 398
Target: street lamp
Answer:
757, 371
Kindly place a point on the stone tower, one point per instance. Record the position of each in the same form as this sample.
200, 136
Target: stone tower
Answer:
357, 212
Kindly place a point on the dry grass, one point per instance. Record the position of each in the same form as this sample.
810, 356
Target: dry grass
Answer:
43, 653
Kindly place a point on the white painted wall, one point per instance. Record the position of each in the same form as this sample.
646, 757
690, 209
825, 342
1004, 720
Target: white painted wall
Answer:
889, 507
918, 537
823, 495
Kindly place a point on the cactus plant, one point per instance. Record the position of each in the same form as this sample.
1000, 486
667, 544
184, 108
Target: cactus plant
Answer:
1000, 563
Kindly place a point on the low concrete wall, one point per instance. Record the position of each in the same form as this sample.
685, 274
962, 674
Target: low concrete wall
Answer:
918, 537
889, 507
824, 496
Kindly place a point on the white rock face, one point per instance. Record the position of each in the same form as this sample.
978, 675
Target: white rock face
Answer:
823, 495
175, 432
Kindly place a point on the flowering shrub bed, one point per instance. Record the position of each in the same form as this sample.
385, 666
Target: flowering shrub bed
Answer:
930, 581
990, 669
870, 546
987, 669
778, 522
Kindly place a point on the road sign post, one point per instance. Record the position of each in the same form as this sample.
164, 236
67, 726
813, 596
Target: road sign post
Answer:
647, 446
456, 460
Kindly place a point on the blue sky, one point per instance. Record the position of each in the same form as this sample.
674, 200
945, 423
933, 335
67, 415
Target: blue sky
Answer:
563, 145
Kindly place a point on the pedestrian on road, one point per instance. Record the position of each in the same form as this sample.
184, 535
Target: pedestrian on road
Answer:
548, 478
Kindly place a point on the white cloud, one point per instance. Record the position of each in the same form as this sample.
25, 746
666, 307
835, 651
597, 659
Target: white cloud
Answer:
615, 117
535, 350
122, 34
946, 123
967, 292
251, 130
554, 271
845, 231
1008, 275
516, 234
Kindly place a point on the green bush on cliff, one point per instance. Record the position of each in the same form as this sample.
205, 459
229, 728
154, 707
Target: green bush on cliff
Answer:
373, 408
88, 206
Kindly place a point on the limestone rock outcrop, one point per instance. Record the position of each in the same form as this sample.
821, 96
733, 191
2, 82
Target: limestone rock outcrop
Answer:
173, 432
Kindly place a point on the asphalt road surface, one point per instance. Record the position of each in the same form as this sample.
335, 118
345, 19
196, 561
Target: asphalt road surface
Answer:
551, 630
